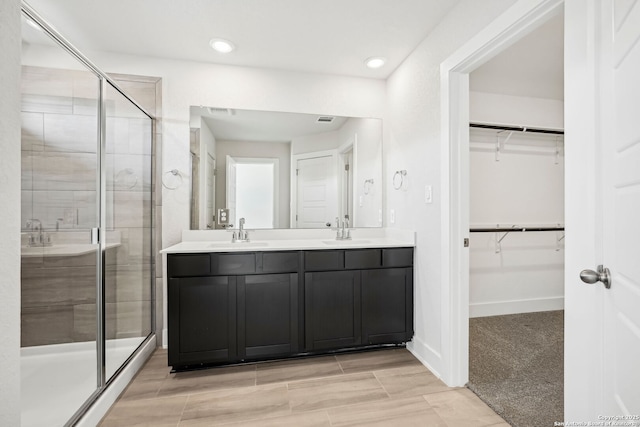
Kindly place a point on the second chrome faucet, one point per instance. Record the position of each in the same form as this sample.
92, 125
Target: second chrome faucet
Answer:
343, 232
241, 235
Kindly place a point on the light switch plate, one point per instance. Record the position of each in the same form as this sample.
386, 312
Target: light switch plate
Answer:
392, 216
428, 194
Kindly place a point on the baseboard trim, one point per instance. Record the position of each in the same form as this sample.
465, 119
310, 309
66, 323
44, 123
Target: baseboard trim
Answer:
499, 308
430, 358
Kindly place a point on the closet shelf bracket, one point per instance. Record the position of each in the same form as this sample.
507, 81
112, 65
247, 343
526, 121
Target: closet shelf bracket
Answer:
500, 144
558, 242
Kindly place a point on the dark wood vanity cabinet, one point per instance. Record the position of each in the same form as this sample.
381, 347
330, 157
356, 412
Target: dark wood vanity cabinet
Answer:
202, 313
365, 298
232, 307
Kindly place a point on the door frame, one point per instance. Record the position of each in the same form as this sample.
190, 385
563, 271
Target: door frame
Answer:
351, 146
516, 22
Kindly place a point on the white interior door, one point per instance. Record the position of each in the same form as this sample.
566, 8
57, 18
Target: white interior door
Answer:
602, 326
316, 197
621, 225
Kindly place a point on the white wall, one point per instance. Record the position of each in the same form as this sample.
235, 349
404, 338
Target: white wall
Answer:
413, 143
315, 142
10, 218
278, 150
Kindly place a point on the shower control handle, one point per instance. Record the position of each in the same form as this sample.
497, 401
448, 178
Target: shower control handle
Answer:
601, 275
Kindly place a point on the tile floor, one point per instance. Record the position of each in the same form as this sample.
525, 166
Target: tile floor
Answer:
377, 388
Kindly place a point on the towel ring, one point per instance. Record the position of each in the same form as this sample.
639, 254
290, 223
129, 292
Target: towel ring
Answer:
173, 172
368, 183
129, 172
398, 179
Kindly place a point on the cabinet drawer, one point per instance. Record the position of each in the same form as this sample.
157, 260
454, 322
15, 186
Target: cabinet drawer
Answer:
324, 260
397, 257
362, 258
280, 262
233, 263
188, 265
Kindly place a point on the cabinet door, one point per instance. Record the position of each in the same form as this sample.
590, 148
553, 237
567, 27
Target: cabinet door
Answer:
267, 315
332, 309
202, 320
387, 305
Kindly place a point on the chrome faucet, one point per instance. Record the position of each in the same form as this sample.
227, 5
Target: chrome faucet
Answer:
343, 232
241, 235
39, 239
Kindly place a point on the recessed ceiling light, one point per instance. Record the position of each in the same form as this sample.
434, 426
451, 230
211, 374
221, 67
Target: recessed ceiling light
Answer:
32, 24
221, 45
375, 62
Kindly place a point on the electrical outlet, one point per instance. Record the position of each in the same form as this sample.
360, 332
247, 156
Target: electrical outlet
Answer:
223, 216
70, 216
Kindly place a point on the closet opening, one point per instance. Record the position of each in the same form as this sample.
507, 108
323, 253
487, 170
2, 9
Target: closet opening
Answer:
516, 228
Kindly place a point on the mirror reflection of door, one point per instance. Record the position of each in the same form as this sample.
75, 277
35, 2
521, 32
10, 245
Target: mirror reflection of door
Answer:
252, 191
210, 191
194, 147
316, 192
347, 185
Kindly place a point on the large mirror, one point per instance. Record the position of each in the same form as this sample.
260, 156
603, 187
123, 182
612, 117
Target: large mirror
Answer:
284, 170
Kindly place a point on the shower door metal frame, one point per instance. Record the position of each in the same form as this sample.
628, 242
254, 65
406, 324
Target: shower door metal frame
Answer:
100, 233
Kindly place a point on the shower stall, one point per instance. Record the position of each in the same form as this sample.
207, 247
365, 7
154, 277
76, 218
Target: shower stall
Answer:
87, 264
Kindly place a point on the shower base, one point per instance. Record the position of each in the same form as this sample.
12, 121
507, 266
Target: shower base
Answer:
57, 379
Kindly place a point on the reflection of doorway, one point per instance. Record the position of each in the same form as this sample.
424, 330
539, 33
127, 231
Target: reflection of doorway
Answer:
315, 192
210, 191
347, 166
194, 148
252, 191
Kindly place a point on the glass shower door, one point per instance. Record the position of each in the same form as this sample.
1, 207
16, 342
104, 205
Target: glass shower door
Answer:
128, 257
59, 262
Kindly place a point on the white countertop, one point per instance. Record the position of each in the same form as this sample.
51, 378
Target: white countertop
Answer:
280, 240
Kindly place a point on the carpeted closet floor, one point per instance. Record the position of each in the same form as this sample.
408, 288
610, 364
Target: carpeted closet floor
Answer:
516, 366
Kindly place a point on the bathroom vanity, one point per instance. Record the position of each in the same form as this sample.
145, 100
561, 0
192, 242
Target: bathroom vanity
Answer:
236, 302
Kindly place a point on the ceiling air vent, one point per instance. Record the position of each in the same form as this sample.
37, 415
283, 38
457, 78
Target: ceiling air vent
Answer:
220, 111
325, 119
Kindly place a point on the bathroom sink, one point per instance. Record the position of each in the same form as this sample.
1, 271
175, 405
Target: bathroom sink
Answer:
353, 242
237, 245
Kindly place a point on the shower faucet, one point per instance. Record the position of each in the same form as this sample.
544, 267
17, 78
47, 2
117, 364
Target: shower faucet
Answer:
39, 239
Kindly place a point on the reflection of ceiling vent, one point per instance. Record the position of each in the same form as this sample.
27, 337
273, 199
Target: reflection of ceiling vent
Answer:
325, 119
220, 111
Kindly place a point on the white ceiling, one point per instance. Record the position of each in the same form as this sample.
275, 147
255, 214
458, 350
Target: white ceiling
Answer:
327, 36
321, 36
531, 67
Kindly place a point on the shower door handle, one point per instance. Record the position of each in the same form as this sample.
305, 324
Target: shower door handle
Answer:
601, 275
95, 236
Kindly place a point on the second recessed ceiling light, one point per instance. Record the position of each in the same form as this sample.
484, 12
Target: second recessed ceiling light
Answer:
221, 45
375, 62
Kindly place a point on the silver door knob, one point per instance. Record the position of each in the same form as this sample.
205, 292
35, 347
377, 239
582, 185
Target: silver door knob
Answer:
601, 275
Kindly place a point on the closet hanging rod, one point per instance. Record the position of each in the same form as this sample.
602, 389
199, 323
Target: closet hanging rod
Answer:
516, 128
506, 229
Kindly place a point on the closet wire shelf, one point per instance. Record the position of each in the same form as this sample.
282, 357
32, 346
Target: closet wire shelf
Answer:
515, 228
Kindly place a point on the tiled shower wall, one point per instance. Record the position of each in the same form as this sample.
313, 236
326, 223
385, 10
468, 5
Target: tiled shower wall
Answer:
59, 189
